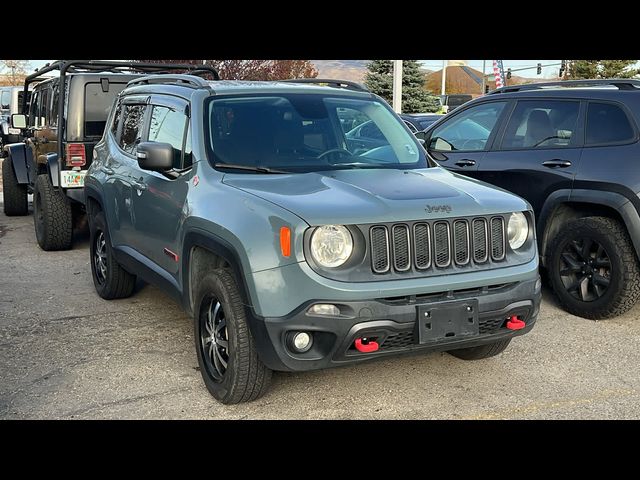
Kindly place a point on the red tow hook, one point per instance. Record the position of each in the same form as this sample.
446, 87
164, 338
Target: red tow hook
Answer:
514, 323
366, 346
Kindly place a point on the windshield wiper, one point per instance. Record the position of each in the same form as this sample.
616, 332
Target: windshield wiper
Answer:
358, 165
233, 166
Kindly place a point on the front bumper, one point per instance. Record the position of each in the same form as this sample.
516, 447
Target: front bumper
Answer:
392, 321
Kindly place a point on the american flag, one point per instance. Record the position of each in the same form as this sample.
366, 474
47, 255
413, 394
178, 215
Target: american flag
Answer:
498, 73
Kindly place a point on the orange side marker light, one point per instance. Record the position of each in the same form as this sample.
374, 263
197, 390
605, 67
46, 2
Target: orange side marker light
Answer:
285, 241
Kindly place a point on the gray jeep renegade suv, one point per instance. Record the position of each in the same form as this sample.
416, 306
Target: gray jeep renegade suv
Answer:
297, 246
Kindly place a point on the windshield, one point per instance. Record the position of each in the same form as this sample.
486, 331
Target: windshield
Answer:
301, 132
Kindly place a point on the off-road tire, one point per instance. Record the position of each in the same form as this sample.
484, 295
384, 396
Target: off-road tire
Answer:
624, 287
481, 351
15, 195
52, 216
246, 378
117, 283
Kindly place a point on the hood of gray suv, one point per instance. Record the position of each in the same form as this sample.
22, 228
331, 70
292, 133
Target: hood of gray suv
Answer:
359, 196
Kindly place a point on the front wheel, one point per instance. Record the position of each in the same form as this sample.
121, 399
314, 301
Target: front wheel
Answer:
481, 351
594, 269
229, 363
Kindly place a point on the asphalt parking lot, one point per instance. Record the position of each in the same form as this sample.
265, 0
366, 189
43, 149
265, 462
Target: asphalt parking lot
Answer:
66, 353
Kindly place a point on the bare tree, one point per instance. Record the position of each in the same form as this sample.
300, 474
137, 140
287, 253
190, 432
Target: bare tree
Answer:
255, 69
17, 70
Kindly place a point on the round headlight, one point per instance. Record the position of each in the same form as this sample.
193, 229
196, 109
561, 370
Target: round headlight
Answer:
331, 245
517, 230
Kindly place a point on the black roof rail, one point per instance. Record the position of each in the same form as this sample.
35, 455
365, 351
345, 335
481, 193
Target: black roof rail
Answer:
167, 78
620, 83
347, 84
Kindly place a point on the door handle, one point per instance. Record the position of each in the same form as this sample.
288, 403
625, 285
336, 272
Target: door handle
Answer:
556, 163
107, 170
465, 163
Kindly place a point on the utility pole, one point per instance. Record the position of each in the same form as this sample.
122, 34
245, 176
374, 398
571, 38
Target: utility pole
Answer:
397, 86
484, 78
444, 76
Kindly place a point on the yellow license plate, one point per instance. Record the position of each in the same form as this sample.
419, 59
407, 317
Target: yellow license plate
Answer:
73, 179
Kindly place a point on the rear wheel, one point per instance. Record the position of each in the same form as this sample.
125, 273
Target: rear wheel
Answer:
15, 195
110, 279
52, 216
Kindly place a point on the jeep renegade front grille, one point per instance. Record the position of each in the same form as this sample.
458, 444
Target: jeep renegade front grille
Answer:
440, 244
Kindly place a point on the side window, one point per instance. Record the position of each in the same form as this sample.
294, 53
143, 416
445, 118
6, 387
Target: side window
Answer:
34, 108
169, 126
5, 100
44, 107
131, 127
53, 116
115, 121
468, 131
541, 124
607, 123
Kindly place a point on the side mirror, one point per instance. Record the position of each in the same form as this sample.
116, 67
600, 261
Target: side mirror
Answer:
18, 120
155, 156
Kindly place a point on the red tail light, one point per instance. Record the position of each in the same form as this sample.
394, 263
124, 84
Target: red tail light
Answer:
76, 156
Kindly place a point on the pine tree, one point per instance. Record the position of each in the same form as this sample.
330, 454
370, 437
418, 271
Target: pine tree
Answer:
379, 79
587, 69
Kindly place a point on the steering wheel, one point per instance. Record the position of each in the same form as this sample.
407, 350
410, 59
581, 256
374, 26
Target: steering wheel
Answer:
473, 143
334, 150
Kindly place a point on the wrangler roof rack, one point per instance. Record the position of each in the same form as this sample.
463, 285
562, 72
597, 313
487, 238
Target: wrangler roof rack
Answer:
346, 84
177, 79
620, 83
94, 66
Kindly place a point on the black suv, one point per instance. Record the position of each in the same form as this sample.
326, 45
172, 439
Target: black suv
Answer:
571, 149
52, 156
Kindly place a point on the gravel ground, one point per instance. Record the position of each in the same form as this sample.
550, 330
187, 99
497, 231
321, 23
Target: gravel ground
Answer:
66, 353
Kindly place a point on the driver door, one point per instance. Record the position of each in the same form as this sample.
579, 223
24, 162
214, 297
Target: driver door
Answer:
460, 143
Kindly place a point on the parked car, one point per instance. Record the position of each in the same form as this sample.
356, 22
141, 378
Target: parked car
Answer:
52, 157
451, 102
10, 103
570, 149
247, 202
418, 122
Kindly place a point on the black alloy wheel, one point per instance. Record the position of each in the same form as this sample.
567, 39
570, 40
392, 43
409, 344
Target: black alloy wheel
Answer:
214, 339
585, 269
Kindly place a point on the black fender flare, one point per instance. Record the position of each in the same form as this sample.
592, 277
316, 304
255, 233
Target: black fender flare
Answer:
223, 249
53, 168
21, 158
219, 246
617, 201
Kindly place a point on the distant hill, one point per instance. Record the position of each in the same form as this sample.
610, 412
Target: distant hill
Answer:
353, 70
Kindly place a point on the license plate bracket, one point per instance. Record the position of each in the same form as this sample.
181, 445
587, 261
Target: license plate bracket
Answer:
448, 321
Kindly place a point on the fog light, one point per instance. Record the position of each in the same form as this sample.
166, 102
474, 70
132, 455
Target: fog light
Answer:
301, 341
326, 309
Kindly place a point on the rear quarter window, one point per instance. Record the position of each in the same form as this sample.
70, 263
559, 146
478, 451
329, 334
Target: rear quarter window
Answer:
608, 123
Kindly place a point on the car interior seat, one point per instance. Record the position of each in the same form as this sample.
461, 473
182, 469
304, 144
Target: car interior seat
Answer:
538, 128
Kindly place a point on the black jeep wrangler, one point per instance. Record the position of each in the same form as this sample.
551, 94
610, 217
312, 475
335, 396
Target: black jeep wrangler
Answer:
64, 120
